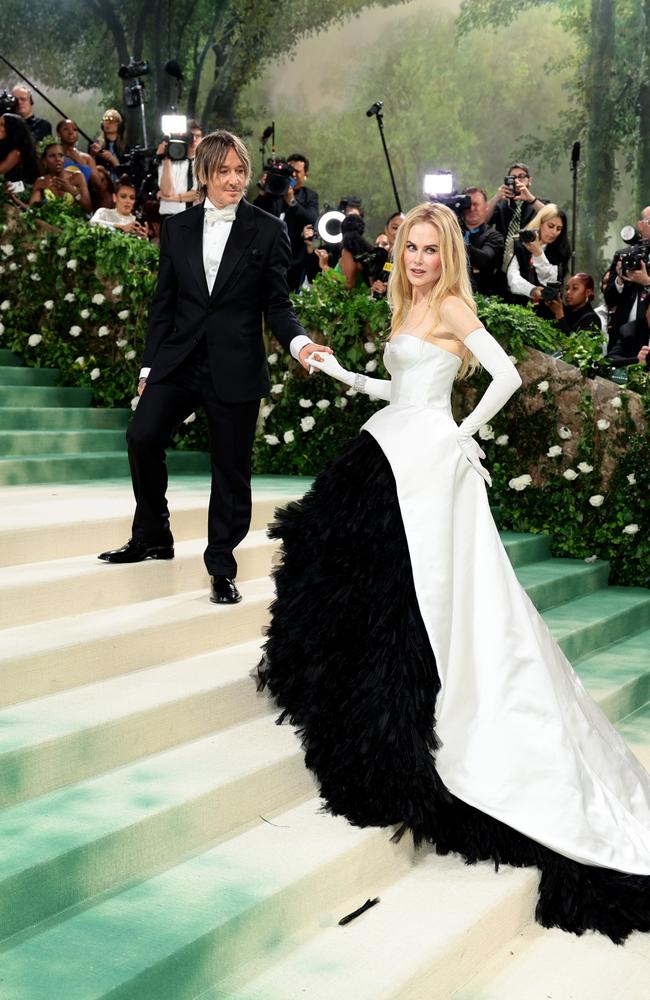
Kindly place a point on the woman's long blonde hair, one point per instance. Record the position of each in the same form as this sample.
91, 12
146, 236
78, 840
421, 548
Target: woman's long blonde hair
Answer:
544, 214
454, 275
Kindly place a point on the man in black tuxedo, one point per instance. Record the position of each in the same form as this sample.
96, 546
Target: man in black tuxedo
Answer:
223, 266
626, 293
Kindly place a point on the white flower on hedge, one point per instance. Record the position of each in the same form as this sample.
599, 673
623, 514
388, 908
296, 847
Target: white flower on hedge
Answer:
289, 437
32, 258
129, 355
616, 402
322, 404
271, 439
34, 340
13, 266
285, 376
340, 402
630, 529
272, 359
565, 433
486, 433
307, 423
98, 298
7, 249
602, 425
72, 264
122, 342
103, 331
123, 314
81, 361
266, 411
75, 331
351, 393
95, 373
570, 474
305, 403
369, 347
596, 500
2, 269
512, 358
502, 439
49, 304
190, 419
134, 402
35, 277
520, 483
117, 291
4, 305
591, 559
371, 366
631, 479
62, 251
585, 467
69, 297
277, 389
85, 313
554, 451
543, 386
2, 328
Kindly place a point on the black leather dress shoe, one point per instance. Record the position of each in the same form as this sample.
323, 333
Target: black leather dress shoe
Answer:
224, 591
135, 551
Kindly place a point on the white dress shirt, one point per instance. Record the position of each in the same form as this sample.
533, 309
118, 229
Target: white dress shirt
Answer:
546, 272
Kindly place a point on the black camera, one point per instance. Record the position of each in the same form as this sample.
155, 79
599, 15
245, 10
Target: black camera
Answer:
634, 260
458, 203
133, 69
528, 235
279, 175
551, 291
8, 103
511, 183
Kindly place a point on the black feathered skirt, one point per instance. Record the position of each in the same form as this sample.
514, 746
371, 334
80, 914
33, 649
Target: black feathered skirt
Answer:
349, 662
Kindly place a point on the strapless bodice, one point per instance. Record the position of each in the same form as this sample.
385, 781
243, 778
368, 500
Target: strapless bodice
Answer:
422, 374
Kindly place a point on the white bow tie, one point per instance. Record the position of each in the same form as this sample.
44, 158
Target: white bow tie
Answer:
226, 214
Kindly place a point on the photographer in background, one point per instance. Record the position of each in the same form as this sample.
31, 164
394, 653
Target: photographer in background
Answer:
628, 286
393, 222
541, 255
39, 127
18, 162
176, 180
109, 148
483, 243
511, 209
298, 208
352, 265
579, 313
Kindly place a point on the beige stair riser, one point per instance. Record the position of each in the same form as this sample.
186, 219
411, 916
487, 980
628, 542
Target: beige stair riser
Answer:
60, 668
30, 772
157, 841
104, 586
60, 541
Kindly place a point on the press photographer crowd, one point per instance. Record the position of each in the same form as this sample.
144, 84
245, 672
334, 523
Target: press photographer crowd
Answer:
517, 242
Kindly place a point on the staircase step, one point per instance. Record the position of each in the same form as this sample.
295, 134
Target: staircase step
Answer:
556, 581
15, 375
29, 443
456, 916
62, 653
48, 418
525, 548
37, 395
65, 847
91, 465
65, 738
46, 590
585, 624
9, 358
180, 931
618, 677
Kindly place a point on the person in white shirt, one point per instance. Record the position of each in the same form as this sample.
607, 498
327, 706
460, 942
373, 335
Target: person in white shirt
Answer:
121, 215
176, 180
540, 260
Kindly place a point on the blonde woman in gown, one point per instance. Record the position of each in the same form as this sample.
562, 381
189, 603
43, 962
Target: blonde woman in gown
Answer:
427, 690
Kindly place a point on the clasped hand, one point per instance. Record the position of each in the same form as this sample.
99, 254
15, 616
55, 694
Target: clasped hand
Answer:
474, 453
327, 363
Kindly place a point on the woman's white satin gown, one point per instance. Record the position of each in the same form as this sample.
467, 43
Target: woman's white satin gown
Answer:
521, 739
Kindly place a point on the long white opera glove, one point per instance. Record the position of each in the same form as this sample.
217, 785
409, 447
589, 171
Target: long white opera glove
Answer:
378, 388
505, 381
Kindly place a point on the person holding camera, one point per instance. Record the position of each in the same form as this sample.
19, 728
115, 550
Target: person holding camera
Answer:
541, 254
511, 209
483, 243
18, 162
579, 313
176, 178
39, 127
110, 146
629, 282
297, 206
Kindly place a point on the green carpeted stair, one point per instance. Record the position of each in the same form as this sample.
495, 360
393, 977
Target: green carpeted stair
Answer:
50, 433
160, 837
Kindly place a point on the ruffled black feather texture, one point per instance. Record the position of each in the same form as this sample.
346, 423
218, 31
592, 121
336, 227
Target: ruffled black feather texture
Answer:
348, 660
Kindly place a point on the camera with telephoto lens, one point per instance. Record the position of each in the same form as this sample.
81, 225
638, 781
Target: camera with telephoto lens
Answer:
551, 291
279, 175
133, 69
634, 260
528, 235
8, 103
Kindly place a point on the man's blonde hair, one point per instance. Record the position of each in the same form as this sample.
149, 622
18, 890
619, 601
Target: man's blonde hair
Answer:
212, 152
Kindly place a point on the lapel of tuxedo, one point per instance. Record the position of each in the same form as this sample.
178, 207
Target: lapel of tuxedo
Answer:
193, 229
241, 236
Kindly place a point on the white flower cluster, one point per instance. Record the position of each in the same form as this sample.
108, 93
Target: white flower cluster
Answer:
520, 483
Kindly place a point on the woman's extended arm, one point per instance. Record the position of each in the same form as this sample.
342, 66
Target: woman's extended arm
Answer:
377, 388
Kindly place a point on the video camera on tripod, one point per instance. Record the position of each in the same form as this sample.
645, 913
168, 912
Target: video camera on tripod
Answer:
440, 187
278, 177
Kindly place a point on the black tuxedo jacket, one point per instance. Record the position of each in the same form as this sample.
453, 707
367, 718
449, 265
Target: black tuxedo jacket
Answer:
251, 284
